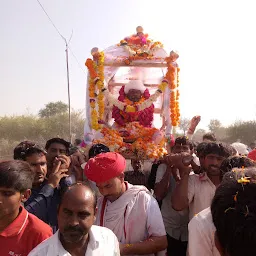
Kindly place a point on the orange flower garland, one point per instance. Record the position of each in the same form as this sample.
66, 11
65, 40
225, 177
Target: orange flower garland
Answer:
143, 146
100, 85
97, 78
111, 138
93, 75
178, 97
174, 96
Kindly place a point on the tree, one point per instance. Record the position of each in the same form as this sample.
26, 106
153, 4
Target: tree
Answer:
184, 125
198, 135
244, 131
53, 108
214, 125
15, 129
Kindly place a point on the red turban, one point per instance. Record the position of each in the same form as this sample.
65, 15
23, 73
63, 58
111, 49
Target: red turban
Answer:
104, 167
252, 155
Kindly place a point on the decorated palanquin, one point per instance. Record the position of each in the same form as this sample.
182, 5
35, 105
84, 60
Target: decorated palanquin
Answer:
132, 99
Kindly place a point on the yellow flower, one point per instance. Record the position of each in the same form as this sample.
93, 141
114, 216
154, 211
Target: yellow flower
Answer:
162, 86
244, 180
130, 108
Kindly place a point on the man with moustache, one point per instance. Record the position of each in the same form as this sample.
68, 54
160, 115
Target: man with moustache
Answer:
196, 191
45, 192
77, 236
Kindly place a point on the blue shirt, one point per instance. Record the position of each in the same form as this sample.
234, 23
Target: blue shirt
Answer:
44, 202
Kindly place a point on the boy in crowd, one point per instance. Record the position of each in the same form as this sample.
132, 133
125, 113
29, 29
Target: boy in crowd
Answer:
20, 231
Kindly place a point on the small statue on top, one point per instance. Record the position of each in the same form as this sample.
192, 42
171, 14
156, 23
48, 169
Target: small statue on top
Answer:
136, 39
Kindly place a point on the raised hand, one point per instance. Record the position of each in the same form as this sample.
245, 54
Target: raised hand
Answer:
57, 175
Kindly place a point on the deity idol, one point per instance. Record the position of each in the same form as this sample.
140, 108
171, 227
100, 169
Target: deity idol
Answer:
137, 39
133, 94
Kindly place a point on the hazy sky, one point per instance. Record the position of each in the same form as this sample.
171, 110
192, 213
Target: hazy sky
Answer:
216, 41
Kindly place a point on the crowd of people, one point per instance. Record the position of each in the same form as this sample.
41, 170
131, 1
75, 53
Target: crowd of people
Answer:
199, 200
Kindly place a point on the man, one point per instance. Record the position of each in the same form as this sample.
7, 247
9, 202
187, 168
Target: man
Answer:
20, 231
129, 211
252, 147
252, 155
175, 222
241, 149
233, 213
45, 192
200, 153
201, 227
137, 176
95, 150
59, 149
209, 137
77, 235
196, 191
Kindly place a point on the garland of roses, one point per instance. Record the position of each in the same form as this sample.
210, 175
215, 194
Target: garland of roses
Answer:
96, 79
174, 95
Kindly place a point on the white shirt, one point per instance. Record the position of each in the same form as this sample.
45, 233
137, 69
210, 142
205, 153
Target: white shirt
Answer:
201, 191
201, 235
175, 222
102, 242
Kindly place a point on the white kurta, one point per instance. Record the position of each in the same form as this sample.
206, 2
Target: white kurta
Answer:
134, 217
201, 235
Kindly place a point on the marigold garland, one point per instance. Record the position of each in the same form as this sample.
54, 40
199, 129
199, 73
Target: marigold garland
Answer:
96, 79
174, 95
143, 146
100, 85
178, 97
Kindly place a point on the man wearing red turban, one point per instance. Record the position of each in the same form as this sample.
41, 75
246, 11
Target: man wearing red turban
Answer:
252, 155
129, 211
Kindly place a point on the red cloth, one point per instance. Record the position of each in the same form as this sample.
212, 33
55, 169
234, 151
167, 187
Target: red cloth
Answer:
252, 155
23, 234
104, 167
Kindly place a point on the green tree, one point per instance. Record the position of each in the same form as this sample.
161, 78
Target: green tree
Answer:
53, 108
214, 125
244, 131
198, 135
14, 129
184, 125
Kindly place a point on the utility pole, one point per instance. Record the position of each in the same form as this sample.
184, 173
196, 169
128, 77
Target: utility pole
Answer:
69, 105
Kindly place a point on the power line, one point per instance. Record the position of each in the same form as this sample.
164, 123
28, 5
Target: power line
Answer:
63, 38
51, 21
77, 60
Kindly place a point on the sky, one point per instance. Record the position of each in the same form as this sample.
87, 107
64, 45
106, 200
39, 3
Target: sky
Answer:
215, 40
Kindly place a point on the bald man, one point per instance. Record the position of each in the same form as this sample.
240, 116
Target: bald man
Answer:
77, 235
